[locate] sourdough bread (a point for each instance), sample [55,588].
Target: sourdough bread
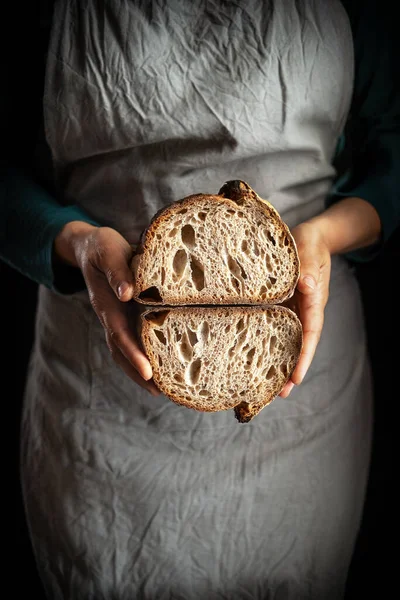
[215,268]
[219,358]
[231,248]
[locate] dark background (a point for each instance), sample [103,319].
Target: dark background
[374,568]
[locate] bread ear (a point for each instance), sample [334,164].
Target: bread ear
[235,190]
[244,413]
[241,193]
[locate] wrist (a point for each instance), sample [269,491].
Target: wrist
[350,224]
[66,241]
[325,231]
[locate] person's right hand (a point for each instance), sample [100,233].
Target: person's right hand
[104,256]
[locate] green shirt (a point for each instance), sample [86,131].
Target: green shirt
[367,158]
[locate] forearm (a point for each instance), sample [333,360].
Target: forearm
[30,220]
[350,224]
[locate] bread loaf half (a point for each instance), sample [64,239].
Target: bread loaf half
[219,358]
[231,248]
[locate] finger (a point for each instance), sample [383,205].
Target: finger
[309,277]
[129,370]
[113,317]
[113,256]
[312,316]
[287,389]
[121,337]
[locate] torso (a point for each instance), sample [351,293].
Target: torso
[147,102]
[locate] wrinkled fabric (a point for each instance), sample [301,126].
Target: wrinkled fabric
[133,497]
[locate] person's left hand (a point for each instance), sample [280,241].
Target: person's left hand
[311,295]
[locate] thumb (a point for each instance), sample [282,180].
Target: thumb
[113,257]
[309,277]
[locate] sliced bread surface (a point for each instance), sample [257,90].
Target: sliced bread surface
[220,358]
[231,248]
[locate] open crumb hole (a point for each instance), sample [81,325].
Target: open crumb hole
[186,349]
[197,273]
[179,263]
[157,318]
[240,325]
[284,369]
[272,343]
[204,330]
[151,294]
[159,334]
[194,371]
[188,236]
[192,337]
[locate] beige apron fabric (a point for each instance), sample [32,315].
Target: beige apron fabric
[130,496]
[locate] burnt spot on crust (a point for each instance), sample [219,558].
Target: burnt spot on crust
[242,412]
[235,190]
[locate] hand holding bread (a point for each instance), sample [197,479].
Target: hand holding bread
[221,273]
[103,257]
[311,294]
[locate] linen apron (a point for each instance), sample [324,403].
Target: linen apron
[133,497]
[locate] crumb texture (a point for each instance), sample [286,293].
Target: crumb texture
[211,250]
[217,358]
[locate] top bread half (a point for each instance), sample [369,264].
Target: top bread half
[231,248]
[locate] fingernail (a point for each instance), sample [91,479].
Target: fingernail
[288,389]
[309,281]
[290,386]
[147,374]
[122,288]
[300,376]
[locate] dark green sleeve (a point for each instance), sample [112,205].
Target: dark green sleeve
[368,156]
[30,219]
[30,215]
